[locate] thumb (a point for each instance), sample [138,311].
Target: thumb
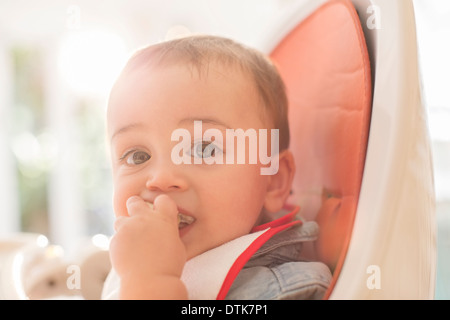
[164,205]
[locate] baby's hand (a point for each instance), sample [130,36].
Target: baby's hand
[147,243]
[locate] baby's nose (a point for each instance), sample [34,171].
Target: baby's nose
[165,178]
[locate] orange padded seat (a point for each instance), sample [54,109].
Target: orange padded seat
[325,65]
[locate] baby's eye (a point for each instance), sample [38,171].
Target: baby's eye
[204,149]
[136,157]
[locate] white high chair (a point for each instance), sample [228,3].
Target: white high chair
[360,138]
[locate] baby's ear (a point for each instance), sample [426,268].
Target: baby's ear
[280,183]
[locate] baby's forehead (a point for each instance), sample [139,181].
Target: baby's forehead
[206,69]
[213,72]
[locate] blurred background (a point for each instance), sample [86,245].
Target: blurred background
[58,60]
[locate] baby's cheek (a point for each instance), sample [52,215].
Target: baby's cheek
[120,207]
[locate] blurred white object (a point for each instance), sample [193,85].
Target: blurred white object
[30,268]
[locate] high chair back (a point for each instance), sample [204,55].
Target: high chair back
[359,154]
[325,65]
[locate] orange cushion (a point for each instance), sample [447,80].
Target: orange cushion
[325,65]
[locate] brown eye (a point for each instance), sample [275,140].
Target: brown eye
[137,157]
[204,149]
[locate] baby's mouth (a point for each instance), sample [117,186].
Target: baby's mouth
[183,220]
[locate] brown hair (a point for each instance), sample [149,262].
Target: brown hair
[198,51]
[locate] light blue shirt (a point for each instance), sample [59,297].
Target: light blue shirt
[277,270]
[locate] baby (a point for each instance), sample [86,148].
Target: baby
[189,191]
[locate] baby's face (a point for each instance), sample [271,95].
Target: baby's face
[224,201]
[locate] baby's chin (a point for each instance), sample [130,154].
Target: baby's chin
[194,250]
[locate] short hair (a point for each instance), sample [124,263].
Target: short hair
[199,50]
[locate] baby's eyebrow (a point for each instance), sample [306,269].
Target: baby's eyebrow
[126,128]
[205,120]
